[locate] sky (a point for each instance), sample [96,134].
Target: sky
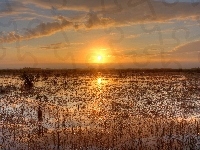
[106,33]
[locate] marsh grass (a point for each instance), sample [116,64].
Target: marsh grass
[124,111]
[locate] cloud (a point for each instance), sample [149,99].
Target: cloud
[49,28]
[9,37]
[54,46]
[121,11]
[59,45]
[11,7]
[43,29]
[94,20]
[117,13]
[188,48]
[126,10]
[80,5]
[154,12]
[133,36]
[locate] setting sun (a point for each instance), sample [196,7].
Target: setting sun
[99,58]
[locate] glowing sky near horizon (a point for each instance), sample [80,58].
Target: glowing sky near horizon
[135,33]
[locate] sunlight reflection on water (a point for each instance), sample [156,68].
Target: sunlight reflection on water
[99,81]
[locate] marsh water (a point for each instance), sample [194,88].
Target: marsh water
[117,109]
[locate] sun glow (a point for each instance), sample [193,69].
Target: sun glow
[98,56]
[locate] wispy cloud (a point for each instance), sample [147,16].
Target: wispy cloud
[190,47]
[59,45]
[132,36]
[127,10]
[12,7]
[123,11]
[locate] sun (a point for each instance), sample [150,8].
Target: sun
[99,58]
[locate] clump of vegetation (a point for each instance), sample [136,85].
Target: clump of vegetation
[2,90]
[28,81]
